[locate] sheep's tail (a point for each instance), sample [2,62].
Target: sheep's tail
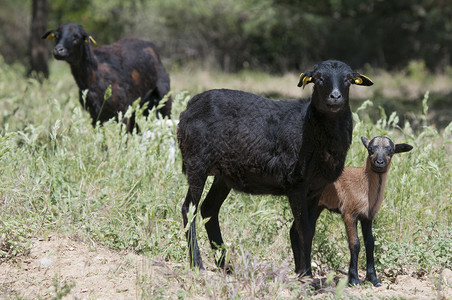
[180,141]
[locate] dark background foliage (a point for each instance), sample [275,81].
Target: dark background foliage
[269,35]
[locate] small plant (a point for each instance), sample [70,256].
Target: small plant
[61,290]
[329,247]
[14,238]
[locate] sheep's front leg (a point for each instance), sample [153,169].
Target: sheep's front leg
[366,226]
[296,248]
[354,246]
[302,232]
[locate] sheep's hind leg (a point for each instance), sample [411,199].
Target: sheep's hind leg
[193,196]
[366,226]
[209,209]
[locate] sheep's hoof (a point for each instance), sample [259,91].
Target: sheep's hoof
[198,264]
[225,267]
[353,282]
[228,268]
[310,281]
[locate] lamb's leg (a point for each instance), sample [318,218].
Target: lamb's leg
[209,209]
[366,226]
[193,196]
[354,246]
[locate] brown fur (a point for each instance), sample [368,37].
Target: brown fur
[357,195]
[358,192]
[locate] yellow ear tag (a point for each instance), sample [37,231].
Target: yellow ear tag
[50,36]
[299,77]
[90,39]
[358,80]
[306,80]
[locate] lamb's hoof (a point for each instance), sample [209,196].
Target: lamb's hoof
[376,283]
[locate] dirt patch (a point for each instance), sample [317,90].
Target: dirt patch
[88,272]
[82,271]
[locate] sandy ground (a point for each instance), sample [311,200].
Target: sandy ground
[100,273]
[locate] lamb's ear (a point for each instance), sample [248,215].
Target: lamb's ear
[365,141]
[49,35]
[361,79]
[304,79]
[402,148]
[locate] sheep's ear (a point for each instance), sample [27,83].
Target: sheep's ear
[365,141]
[304,79]
[90,39]
[402,148]
[49,35]
[361,79]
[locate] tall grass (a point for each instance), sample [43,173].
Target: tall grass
[59,175]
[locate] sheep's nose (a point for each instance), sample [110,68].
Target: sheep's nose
[59,50]
[335,95]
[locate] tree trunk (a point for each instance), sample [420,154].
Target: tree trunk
[39,53]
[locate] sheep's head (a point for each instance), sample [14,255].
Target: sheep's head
[71,40]
[332,80]
[381,149]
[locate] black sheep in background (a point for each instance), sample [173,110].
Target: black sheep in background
[131,67]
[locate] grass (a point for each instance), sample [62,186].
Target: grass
[58,175]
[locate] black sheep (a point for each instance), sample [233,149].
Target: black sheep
[131,67]
[259,146]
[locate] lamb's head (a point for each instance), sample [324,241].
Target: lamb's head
[332,80]
[381,149]
[71,41]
